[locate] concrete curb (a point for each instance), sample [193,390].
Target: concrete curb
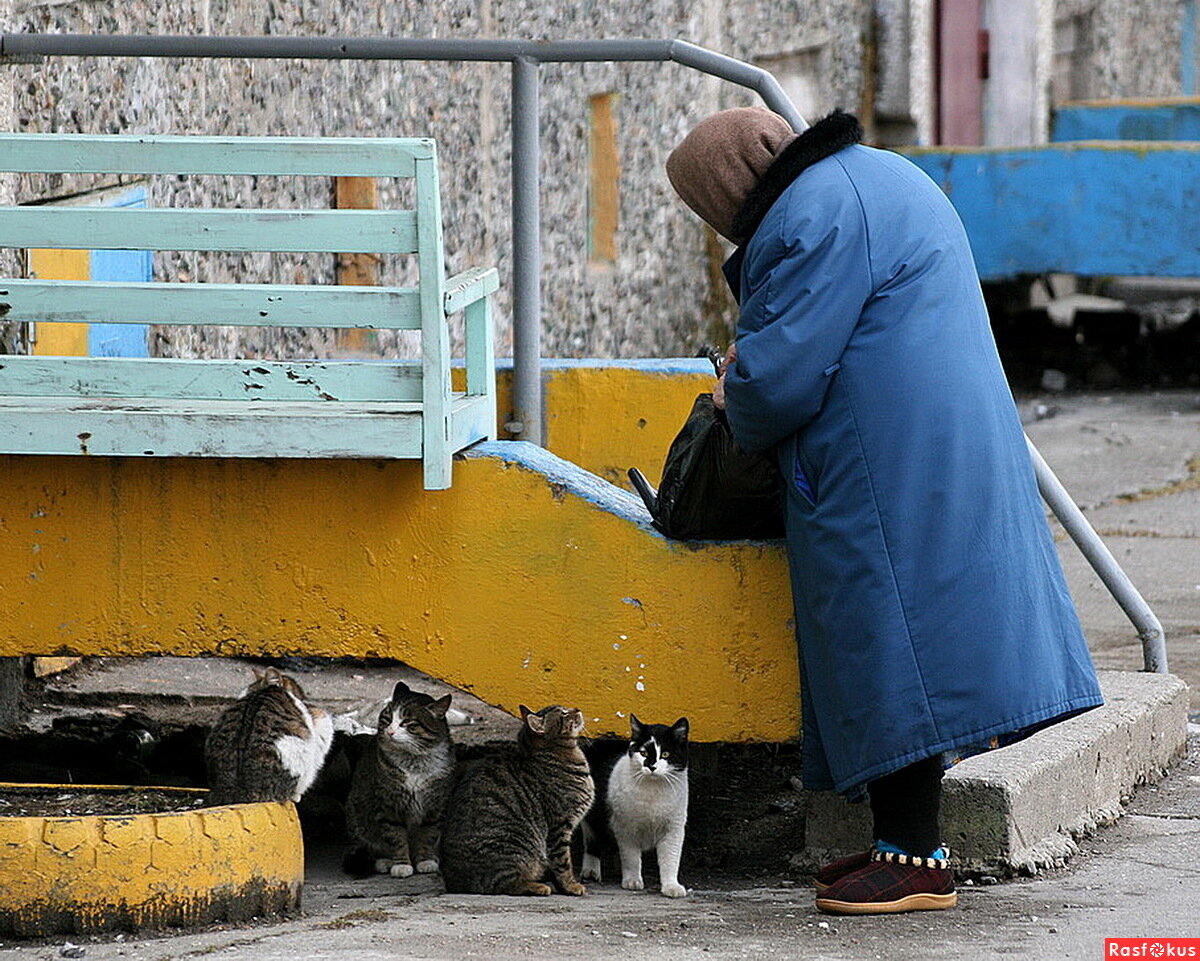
[1023,808]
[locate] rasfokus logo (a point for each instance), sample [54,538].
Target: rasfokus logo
[1152,948]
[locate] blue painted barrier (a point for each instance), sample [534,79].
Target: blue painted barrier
[1082,208]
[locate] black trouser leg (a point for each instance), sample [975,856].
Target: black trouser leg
[906,805]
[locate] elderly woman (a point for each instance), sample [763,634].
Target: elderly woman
[932,616]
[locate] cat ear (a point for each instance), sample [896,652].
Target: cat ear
[680,728]
[272,676]
[534,722]
[635,726]
[439,707]
[400,690]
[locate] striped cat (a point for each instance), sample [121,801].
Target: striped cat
[398,792]
[511,814]
[268,745]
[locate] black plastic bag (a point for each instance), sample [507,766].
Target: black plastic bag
[711,488]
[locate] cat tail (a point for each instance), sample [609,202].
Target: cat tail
[359,862]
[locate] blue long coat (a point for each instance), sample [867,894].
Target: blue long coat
[931,610]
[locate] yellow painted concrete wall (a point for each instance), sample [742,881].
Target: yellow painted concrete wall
[524,583]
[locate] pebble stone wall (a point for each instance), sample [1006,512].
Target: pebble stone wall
[663,295]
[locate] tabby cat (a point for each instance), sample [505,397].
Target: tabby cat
[268,745]
[641,803]
[511,814]
[398,792]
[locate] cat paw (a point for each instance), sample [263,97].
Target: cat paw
[428,866]
[401,870]
[591,868]
[674,890]
[633,884]
[383,866]
[574,888]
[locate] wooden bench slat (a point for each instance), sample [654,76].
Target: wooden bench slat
[469,286]
[158,228]
[259,381]
[247,305]
[243,156]
[435,333]
[473,419]
[209,428]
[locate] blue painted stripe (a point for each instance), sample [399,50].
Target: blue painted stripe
[576,481]
[572,478]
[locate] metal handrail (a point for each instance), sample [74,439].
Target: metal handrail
[1150,632]
[525,56]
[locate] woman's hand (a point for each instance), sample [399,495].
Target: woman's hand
[719,389]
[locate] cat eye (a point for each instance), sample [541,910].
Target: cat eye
[666,754]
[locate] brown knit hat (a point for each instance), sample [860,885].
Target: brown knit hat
[715,167]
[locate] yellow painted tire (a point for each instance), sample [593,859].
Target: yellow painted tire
[79,875]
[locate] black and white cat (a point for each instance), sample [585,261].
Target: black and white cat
[641,803]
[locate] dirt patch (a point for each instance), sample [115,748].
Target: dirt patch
[81,802]
[354,918]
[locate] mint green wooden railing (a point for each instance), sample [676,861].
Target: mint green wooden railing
[241,408]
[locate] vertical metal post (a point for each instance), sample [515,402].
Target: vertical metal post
[527,254]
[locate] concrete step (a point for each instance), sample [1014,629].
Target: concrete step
[1023,808]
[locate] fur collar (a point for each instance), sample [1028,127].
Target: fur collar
[825,137]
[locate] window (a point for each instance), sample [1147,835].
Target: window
[603,173]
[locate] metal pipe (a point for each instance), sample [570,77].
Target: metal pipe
[332,48]
[1154,642]
[744,74]
[527,254]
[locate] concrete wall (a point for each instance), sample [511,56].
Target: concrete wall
[1132,49]
[529,581]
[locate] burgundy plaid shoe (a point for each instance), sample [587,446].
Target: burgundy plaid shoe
[892,883]
[836,870]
